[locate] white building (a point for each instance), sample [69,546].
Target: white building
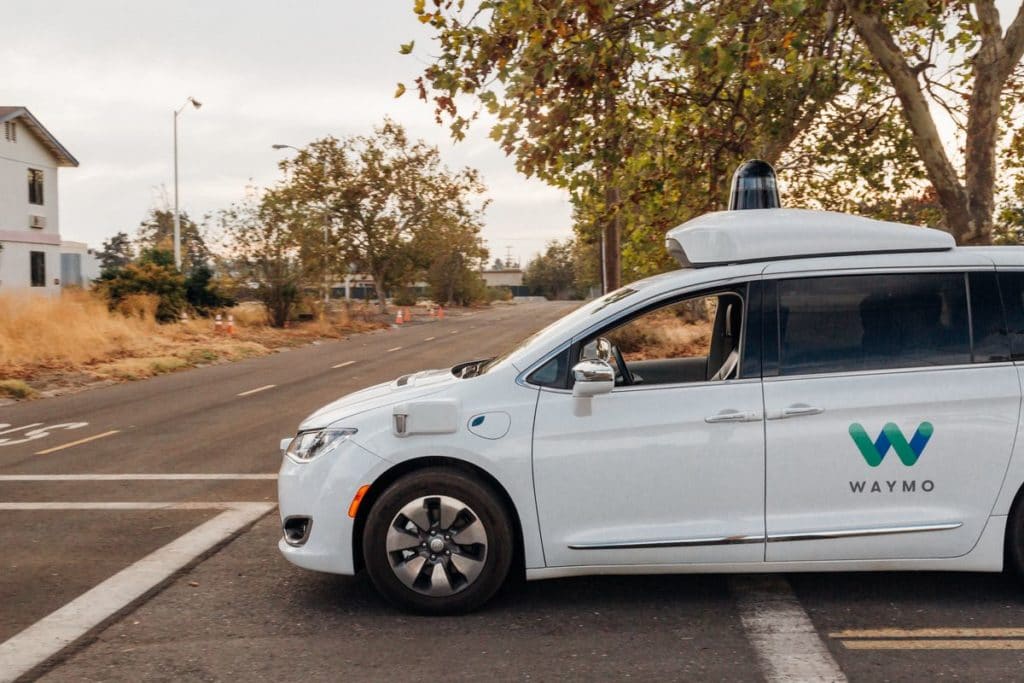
[29,232]
[79,265]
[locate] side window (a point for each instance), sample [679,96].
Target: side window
[553,373]
[693,340]
[988,329]
[1011,284]
[872,322]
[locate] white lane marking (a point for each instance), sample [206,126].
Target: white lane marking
[787,645]
[51,634]
[47,451]
[397,348]
[110,505]
[257,390]
[454,332]
[430,339]
[4,425]
[39,433]
[343,365]
[134,477]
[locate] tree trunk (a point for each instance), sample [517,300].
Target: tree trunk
[612,266]
[968,206]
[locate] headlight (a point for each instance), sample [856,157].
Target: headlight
[308,445]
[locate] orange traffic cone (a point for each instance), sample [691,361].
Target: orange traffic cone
[217,324]
[231,324]
[440,312]
[399,319]
[408,315]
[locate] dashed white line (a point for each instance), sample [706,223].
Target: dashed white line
[135,477]
[454,332]
[47,451]
[257,390]
[787,645]
[430,339]
[343,365]
[51,634]
[397,348]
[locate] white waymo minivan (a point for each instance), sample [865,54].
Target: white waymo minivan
[811,392]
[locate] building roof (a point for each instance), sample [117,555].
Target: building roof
[769,234]
[63,156]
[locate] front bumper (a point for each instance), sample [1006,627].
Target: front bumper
[322,490]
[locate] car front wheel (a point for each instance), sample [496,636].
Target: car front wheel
[438,541]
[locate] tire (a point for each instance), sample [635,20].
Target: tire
[438,541]
[1015,538]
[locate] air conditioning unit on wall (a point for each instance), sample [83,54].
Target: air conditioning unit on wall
[37,222]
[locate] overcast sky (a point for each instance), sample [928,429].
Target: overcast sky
[104,76]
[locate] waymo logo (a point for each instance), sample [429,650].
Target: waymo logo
[891,437]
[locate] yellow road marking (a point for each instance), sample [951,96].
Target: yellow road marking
[76,443]
[933,644]
[930,633]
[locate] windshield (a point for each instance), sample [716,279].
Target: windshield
[555,332]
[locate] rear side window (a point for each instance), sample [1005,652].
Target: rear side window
[872,322]
[1011,285]
[991,343]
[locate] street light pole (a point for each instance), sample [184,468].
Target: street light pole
[327,287]
[177,216]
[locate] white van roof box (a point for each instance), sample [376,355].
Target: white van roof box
[766,234]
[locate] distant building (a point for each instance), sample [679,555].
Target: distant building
[30,246]
[506,277]
[79,265]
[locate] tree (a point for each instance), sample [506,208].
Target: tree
[380,195]
[980,65]
[153,273]
[262,248]
[156,231]
[553,273]
[203,292]
[641,109]
[117,252]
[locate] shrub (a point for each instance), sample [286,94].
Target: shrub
[203,292]
[406,297]
[154,273]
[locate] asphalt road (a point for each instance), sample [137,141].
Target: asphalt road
[236,610]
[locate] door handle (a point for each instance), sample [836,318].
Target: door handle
[733,416]
[799,410]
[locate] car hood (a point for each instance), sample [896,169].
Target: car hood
[416,385]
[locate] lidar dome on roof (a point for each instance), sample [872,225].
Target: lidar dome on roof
[766,234]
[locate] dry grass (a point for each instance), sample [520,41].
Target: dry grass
[663,334]
[15,388]
[46,340]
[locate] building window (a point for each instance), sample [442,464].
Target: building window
[37,260]
[11,131]
[35,186]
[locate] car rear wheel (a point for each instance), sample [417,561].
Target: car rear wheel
[1015,538]
[438,541]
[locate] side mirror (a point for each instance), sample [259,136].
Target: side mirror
[592,377]
[598,349]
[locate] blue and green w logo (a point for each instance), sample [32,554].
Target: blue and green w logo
[891,436]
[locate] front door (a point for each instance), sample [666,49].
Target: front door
[668,467]
[888,431]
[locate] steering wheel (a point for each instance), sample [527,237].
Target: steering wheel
[627,376]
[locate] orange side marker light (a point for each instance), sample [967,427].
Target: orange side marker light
[357,499]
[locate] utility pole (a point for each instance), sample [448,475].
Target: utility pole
[177,216]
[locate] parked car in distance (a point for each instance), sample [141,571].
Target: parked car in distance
[811,391]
